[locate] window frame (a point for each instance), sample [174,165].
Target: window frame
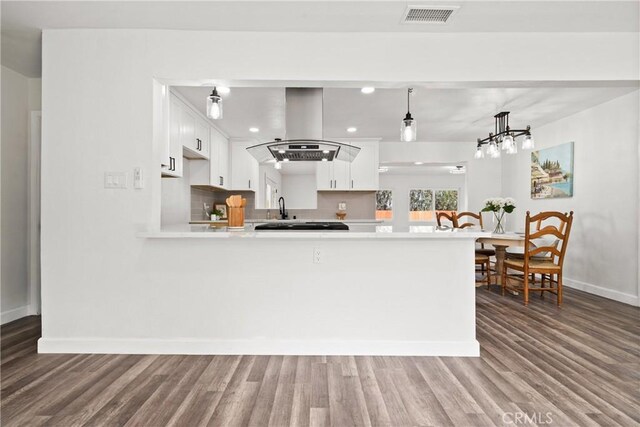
[433,190]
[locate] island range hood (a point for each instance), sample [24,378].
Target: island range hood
[304,139]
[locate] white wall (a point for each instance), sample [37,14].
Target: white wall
[602,256]
[19,95]
[90,253]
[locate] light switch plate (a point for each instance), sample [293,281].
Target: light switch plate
[116,180]
[138,182]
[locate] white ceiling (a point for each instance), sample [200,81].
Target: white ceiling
[22,21]
[455,115]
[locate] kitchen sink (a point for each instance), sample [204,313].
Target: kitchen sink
[302,226]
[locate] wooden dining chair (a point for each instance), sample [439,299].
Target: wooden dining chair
[550,264]
[472,219]
[445,215]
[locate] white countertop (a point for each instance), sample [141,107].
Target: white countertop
[362,232]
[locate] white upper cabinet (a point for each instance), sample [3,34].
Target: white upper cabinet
[333,175]
[364,168]
[244,167]
[214,172]
[161,123]
[202,141]
[194,133]
[174,168]
[359,175]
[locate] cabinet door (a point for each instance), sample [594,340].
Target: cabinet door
[219,159]
[188,132]
[324,176]
[364,168]
[341,175]
[161,122]
[175,146]
[244,167]
[202,138]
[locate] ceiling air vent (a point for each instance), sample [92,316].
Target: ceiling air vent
[428,14]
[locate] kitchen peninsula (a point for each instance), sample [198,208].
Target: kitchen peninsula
[358,292]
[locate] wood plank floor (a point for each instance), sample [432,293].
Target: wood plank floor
[575,366]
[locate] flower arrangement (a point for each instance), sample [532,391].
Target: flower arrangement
[499,206]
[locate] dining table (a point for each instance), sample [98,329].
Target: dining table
[500,242]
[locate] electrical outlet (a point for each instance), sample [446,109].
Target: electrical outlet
[317,255]
[342,206]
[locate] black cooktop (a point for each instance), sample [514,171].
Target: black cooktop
[298,226]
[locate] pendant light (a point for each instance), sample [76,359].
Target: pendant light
[528,143]
[408,127]
[504,138]
[214,105]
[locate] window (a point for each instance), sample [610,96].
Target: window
[384,205]
[447,200]
[421,205]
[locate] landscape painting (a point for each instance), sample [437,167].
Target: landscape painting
[552,172]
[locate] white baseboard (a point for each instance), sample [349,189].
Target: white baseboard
[14,314]
[603,292]
[259,347]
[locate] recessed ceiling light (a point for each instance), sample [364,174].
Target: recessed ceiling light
[223,90]
[254,130]
[418,163]
[352,129]
[368,89]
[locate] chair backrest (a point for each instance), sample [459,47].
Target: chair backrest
[442,215]
[475,219]
[555,224]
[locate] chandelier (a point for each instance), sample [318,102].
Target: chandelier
[503,138]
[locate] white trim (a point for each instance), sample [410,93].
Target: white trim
[603,292]
[258,347]
[14,314]
[33,210]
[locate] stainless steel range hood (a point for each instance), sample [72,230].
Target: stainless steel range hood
[304,140]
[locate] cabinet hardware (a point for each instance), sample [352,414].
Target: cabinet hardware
[249,183]
[351,183]
[171,163]
[221,181]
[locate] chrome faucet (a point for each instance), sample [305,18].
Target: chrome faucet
[283,211]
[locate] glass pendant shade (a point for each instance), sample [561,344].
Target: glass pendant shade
[507,143]
[493,150]
[528,143]
[408,129]
[214,105]
[479,153]
[513,148]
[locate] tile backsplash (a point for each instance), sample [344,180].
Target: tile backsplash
[360,204]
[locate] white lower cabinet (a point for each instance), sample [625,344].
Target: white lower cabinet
[245,174]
